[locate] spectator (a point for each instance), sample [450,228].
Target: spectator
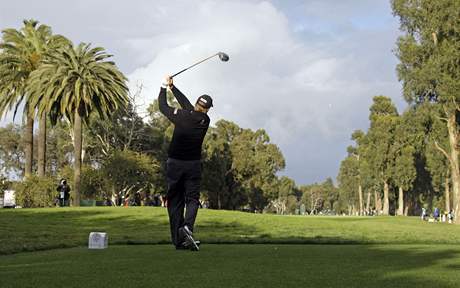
[424,214]
[450,216]
[436,214]
[64,193]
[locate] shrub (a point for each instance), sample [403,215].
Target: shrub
[127,170]
[36,192]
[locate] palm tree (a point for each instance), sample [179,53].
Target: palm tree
[72,83]
[21,53]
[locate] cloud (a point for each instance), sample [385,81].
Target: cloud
[272,79]
[307,89]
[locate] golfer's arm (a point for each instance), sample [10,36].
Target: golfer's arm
[165,109]
[183,101]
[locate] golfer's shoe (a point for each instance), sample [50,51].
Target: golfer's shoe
[189,241]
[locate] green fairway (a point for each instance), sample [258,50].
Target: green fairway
[41,229]
[393,251]
[237,266]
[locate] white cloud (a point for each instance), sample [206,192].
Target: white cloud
[272,79]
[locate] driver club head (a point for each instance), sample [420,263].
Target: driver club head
[224,57]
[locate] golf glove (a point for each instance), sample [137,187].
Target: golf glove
[166,82]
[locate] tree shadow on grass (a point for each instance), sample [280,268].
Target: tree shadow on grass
[238,266]
[216,232]
[408,266]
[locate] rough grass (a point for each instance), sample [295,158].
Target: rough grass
[240,265]
[41,229]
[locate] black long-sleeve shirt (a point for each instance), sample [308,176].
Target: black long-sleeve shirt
[190,126]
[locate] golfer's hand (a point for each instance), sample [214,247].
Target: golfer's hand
[167,81]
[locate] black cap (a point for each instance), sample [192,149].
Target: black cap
[205,101]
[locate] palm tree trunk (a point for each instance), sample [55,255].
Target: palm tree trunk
[401,202]
[77,154]
[386,201]
[453,141]
[42,146]
[29,143]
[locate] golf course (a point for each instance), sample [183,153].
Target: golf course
[48,248]
[230,143]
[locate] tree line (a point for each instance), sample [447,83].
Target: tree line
[125,155]
[409,161]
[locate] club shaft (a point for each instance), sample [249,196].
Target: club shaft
[194,65]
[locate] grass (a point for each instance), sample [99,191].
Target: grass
[397,251]
[241,265]
[41,229]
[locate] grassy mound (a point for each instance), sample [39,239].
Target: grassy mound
[41,229]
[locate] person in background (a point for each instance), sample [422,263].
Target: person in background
[424,214]
[436,214]
[64,193]
[450,216]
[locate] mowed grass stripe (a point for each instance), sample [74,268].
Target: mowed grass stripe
[239,265]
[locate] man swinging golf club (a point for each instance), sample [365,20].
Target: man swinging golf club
[183,172]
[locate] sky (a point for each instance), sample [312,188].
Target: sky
[305,71]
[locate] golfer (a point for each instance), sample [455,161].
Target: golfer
[183,172]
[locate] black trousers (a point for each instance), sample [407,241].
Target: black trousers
[184,179]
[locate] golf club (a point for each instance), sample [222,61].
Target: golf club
[223,57]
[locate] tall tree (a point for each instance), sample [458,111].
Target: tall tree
[73,82]
[429,70]
[22,52]
[240,167]
[219,176]
[331,192]
[403,151]
[437,163]
[359,152]
[349,181]
[285,189]
[383,117]
[256,162]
